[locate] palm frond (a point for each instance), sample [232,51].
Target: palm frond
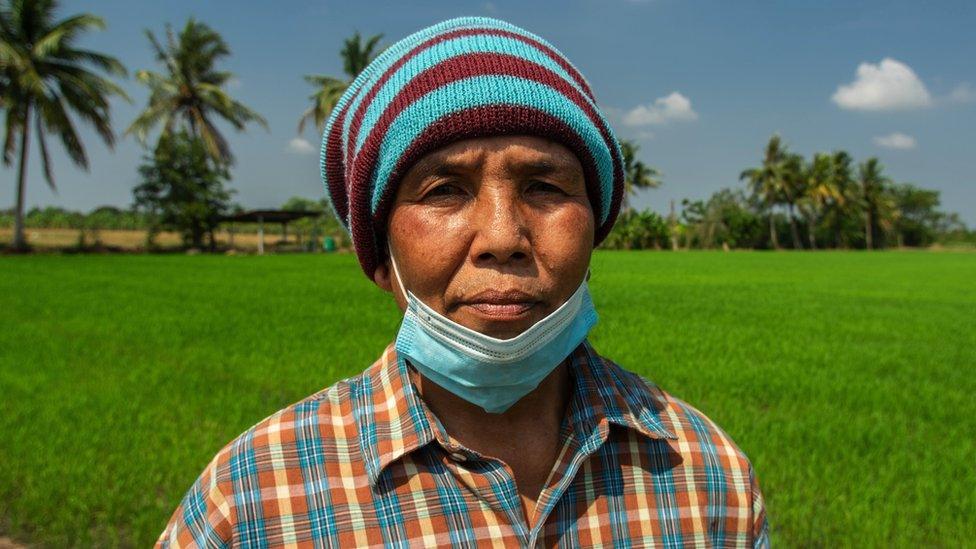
[13,124]
[57,120]
[45,158]
[104,62]
[64,33]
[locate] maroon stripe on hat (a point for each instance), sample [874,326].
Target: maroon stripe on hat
[465,66]
[374,89]
[335,166]
[480,121]
[470,65]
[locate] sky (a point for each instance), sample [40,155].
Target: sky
[700,86]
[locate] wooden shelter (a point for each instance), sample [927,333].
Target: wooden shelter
[272,216]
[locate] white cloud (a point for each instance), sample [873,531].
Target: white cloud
[895,140]
[673,107]
[300,145]
[889,85]
[963,93]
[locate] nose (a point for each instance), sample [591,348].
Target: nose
[501,230]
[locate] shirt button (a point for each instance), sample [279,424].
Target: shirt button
[458,456]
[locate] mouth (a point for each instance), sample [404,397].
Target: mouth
[500,305]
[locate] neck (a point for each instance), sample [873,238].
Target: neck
[535,417]
[525,438]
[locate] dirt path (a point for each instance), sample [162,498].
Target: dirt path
[7,543]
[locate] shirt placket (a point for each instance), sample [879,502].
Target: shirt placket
[579,446]
[497,484]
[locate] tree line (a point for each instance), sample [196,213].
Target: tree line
[49,85]
[826,201]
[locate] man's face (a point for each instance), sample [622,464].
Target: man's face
[494,233]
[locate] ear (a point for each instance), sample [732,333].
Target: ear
[383,276]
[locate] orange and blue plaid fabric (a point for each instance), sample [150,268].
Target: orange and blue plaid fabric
[364,463]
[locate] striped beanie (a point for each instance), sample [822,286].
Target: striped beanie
[461,78]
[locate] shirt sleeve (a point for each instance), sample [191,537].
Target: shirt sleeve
[203,518]
[760,528]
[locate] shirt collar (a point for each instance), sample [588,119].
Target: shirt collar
[393,420]
[603,391]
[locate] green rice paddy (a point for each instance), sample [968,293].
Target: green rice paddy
[848,378]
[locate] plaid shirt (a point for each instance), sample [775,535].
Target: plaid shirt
[366,463]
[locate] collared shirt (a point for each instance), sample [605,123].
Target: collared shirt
[366,463]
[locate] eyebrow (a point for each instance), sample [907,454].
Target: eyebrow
[537,167]
[430,168]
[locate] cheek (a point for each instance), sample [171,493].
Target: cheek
[432,247]
[564,238]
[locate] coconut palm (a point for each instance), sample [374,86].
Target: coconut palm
[637,175]
[792,185]
[190,93]
[845,202]
[820,190]
[766,181]
[875,199]
[45,78]
[328,89]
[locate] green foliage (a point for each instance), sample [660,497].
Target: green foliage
[311,230]
[328,89]
[726,219]
[638,231]
[637,174]
[182,189]
[189,94]
[122,376]
[919,220]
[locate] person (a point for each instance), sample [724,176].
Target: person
[476,174]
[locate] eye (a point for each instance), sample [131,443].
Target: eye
[444,190]
[544,187]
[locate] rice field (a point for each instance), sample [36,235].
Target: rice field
[847,377]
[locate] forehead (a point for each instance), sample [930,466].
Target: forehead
[514,152]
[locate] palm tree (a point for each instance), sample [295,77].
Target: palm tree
[766,181]
[44,76]
[637,175]
[845,200]
[792,184]
[328,89]
[819,191]
[875,198]
[190,93]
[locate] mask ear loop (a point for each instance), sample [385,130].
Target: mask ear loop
[396,272]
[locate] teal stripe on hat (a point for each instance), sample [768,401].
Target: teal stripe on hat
[488,90]
[376,68]
[384,62]
[379,66]
[481,43]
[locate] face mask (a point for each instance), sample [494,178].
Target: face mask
[491,373]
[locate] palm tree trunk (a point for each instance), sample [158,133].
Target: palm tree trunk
[772,232]
[793,230]
[810,232]
[868,237]
[20,243]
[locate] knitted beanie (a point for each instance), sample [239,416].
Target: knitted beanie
[461,78]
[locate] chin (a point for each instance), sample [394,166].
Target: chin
[498,328]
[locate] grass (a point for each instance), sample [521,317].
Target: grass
[848,378]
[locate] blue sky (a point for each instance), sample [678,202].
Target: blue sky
[700,85]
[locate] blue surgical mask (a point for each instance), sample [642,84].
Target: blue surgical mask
[491,373]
